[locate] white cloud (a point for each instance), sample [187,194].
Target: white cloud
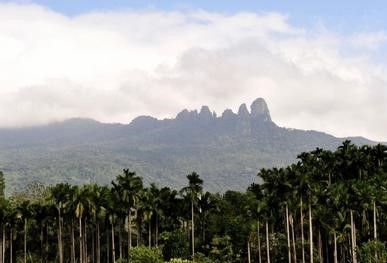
[369,40]
[113,66]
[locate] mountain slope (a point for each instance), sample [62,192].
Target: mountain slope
[227,151]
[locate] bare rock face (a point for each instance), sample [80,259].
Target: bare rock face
[259,110]
[228,115]
[186,115]
[205,114]
[243,124]
[243,112]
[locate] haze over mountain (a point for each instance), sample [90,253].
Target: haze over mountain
[227,150]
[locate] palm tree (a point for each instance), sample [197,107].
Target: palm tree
[69,211]
[130,187]
[113,209]
[11,219]
[98,203]
[3,220]
[147,207]
[59,194]
[23,214]
[206,203]
[193,191]
[82,206]
[42,214]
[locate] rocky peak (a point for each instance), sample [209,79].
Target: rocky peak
[187,115]
[259,110]
[228,114]
[205,113]
[243,112]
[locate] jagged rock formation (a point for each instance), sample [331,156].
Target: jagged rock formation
[260,111]
[227,150]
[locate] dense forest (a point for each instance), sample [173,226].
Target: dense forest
[329,206]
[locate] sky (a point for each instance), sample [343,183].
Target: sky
[320,65]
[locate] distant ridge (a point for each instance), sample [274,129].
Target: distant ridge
[227,150]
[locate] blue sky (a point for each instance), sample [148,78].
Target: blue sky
[343,15]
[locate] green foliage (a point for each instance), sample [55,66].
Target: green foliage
[340,192]
[175,244]
[279,247]
[201,258]
[221,250]
[198,258]
[373,252]
[179,260]
[142,254]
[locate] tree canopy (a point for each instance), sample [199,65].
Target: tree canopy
[329,206]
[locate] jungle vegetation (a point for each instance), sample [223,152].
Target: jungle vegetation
[329,206]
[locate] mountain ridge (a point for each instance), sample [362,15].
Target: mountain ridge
[227,150]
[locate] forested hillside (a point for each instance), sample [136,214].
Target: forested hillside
[226,150]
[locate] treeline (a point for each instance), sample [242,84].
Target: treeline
[329,206]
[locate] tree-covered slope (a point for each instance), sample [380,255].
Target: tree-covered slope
[227,150]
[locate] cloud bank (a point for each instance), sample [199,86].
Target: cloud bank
[114,66]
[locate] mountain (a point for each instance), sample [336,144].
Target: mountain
[227,151]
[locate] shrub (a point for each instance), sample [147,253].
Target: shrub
[373,252]
[201,258]
[142,254]
[174,245]
[221,249]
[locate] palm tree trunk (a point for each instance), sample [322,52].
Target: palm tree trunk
[375,228]
[93,246]
[25,240]
[150,234]
[41,243]
[113,245]
[60,247]
[353,238]
[310,234]
[72,241]
[288,233]
[157,231]
[46,245]
[120,238]
[3,247]
[248,252]
[11,246]
[302,232]
[129,231]
[192,228]
[320,246]
[259,244]
[293,240]
[80,241]
[335,247]
[85,258]
[98,244]
[138,234]
[267,243]
[107,244]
